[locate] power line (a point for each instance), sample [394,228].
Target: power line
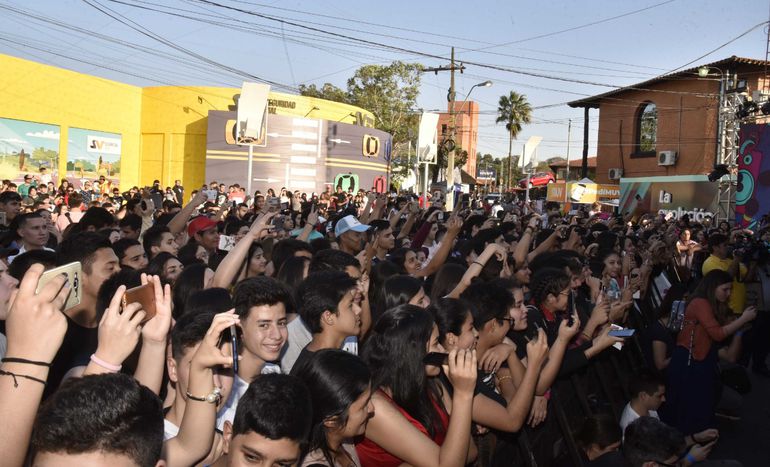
[146,32]
[575,28]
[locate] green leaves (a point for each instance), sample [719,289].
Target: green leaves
[513,110]
[388,91]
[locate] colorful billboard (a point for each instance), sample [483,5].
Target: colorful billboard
[678,195]
[752,198]
[300,154]
[26,147]
[91,154]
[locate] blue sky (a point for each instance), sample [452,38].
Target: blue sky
[553,38]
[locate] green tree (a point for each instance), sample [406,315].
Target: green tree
[513,110]
[328,91]
[390,93]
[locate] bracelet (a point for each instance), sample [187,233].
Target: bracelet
[690,458]
[479,263]
[212,398]
[105,365]
[16,382]
[22,360]
[500,379]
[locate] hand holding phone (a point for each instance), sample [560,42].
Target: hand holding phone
[435,359]
[74,272]
[622,332]
[214,351]
[144,295]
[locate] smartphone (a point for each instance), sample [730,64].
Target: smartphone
[274,204]
[231,335]
[73,271]
[436,358]
[622,332]
[212,195]
[226,242]
[144,295]
[440,216]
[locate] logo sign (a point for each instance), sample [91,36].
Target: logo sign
[348,181]
[486,174]
[103,145]
[371,146]
[664,197]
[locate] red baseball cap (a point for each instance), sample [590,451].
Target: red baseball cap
[199,224]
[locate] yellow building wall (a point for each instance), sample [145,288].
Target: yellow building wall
[46,94]
[174,125]
[163,129]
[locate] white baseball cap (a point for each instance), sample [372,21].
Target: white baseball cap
[349,223]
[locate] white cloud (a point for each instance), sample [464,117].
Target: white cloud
[45,134]
[13,140]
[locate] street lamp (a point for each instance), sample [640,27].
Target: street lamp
[450,164]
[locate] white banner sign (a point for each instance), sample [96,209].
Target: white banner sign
[427,140]
[103,145]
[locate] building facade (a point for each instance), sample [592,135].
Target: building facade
[153,132]
[466,115]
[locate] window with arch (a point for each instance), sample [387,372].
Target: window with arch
[646,129]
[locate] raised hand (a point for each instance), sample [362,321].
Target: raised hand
[157,328]
[537,349]
[200,197]
[119,330]
[209,354]
[34,326]
[567,332]
[462,370]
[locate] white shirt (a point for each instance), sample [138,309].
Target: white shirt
[629,415]
[299,337]
[23,250]
[169,430]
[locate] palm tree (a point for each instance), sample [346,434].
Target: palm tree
[513,110]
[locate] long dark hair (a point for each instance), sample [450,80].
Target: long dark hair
[707,290]
[449,314]
[336,379]
[397,290]
[189,281]
[395,352]
[548,281]
[447,278]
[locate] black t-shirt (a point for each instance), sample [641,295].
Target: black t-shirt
[656,332]
[76,349]
[303,357]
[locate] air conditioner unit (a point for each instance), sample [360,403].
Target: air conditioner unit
[667,158]
[615,174]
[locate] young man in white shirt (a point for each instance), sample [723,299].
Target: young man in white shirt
[647,395]
[261,303]
[33,232]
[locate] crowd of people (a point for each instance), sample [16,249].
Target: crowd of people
[362,329]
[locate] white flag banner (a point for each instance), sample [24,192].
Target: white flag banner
[529,150]
[427,140]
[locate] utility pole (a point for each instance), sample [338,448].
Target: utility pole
[450,147]
[569,133]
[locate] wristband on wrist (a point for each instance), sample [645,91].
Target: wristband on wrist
[690,458]
[22,360]
[212,398]
[479,263]
[105,365]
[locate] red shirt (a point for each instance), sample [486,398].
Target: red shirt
[701,327]
[372,455]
